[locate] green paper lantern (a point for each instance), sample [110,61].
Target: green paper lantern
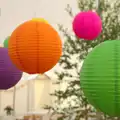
[100,77]
[6,42]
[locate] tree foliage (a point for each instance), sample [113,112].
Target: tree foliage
[71,104]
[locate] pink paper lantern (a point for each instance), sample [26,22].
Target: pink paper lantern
[87,25]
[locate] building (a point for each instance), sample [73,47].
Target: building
[28,95]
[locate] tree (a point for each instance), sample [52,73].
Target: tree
[71,101]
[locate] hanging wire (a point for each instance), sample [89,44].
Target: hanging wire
[0,12]
[34,14]
[35,8]
[97,5]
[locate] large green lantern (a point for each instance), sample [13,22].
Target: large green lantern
[6,42]
[100,77]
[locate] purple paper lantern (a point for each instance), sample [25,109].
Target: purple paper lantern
[87,25]
[9,74]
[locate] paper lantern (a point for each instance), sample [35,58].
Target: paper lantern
[40,20]
[87,25]
[6,42]
[100,77]
[35,47]
[9,74]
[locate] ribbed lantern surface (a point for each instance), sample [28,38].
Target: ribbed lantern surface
[100,77]
[6,42]
[35,47]
[87,25]
[9,74]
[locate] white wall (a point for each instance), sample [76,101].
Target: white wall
[28,101]
[42,93]
[6,98]
[21,101]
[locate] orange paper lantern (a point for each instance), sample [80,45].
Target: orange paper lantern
[35,47]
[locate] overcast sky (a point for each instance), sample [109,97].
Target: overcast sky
[14,12]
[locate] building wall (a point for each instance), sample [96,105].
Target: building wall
[30,96]
[42,93]
[21,100]
[6,99]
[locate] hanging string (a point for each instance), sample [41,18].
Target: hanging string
[0,12]
[97,5]
[34,15]
[35,9]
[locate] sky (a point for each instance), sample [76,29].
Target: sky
[14,12]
